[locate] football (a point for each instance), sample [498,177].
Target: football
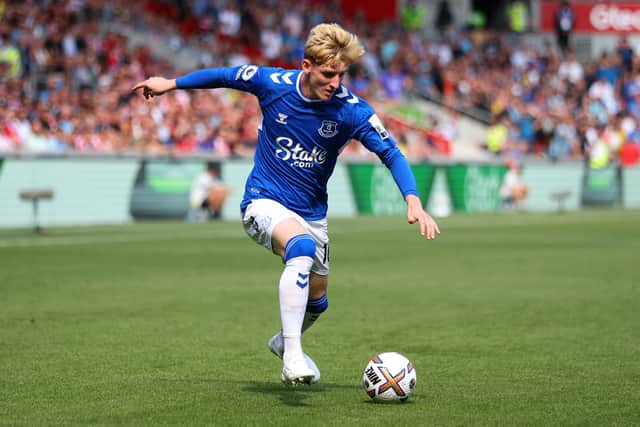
[389,377]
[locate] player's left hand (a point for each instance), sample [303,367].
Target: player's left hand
[415,213]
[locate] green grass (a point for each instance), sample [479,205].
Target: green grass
[529,319]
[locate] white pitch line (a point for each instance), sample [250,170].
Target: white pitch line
[101,239]
[101,236]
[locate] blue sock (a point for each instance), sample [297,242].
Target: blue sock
[315,308]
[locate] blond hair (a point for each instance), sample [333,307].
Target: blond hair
[330,43]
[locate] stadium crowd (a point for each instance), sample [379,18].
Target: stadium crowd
[66,80]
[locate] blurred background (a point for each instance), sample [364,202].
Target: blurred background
[507,105]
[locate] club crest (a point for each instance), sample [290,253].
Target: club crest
[328,129]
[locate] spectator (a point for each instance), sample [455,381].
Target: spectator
[393,80]
[413,15]
[604,92]
[565,20]
[10,58]
[208,193]
[518,16]
[625,53]
[444,17]
[513,191]
[564,141]
[229,19]
[497,135]
[608,69]
[599,154]
[570,69]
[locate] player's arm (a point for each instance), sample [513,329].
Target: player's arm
[245,77]
[375,138]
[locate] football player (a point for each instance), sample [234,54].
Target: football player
[308,116]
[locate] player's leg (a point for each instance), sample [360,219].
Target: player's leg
[297,249]
[318,302]
[318,280]
[286,234]
[316,305]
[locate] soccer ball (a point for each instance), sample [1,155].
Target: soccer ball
[389,377]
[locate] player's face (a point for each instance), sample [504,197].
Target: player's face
[322,80]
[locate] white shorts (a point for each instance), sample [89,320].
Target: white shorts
[262,215]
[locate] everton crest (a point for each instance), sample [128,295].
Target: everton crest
[328,129]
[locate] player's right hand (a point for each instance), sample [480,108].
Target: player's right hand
[155,86]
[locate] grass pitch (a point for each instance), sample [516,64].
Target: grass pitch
[529,319]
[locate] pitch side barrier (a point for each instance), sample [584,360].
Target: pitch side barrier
[124,187]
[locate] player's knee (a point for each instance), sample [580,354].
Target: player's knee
[300,245]
[318,305]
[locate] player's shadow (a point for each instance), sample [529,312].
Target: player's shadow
[292,395]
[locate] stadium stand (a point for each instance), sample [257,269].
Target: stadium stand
[67,67]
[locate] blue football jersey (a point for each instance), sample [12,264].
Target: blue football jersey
[299,139]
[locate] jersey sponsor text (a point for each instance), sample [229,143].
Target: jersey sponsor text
[295,152]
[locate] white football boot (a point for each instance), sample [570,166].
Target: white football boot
[296,372]
[276,345]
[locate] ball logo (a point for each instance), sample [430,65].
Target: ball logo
[372,376]
[298,155]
